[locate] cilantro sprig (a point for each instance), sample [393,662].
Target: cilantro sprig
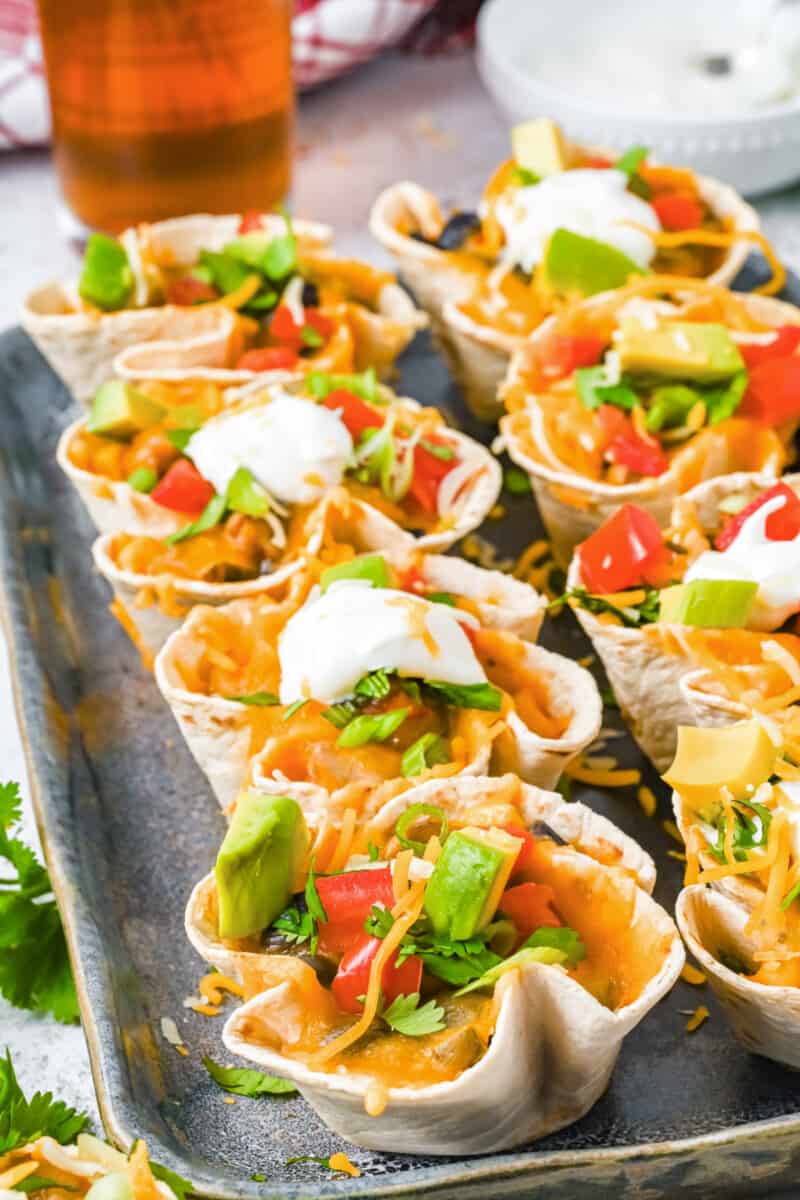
[241,1081]
[23,1120]
[34,964]
[631,616]
[406,1015]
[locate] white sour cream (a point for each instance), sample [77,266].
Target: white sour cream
[592,203]
[296,449]
[774,566]
[337,638]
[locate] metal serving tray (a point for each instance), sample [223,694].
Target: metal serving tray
[130,825]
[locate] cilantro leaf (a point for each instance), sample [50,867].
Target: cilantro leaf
[295,926]
[315,905]
[632,616]
[37,1183]
[244,1082]
[257,699]
[180,1186]
[34,964]
[405,1015]
[379,921]
[558,938]
[594,389]
[22,1121]
[468,695]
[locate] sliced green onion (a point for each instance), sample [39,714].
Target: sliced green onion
[411,816]
[340,714]
[371,567]
[180,438]
[442,598]
[257,699]
[372,728]
[425,752]
[211,515]
[293,708]
[143,479]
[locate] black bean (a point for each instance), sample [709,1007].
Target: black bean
[543,830]
[310,297]
[457,230]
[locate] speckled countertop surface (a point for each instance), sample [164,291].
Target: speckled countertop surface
[422,119]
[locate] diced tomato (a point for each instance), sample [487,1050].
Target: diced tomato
[348,899]
[357,415]
[187,290]
[183,488]
[352,978]
[780,526]
[429,471]
[324,326]
[773,391]
[270,358]
[527,850]
[597,161]
[563,353]
[619,554]
[613,420]
[412,581]
[251,220]
[678,210]
[283,326]
[640,454]
[784,344]
[530,906]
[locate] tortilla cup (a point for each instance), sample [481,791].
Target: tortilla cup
[477,353]
[81,346]
[764,1018]
[573,506]
[220,732]
[658,672]
[553,1046]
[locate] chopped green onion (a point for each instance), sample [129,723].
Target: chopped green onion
[631,160]
[372,728]
[180,438]
[469,695]
[246,495]
[340,714]
[211,515]
[790,896]
[143,479]
[257,699]
[594,390]
[516,481]
[293,708]
[445,453]
[425,752]
[411,816]
[524,177]
[442,598]
[374,686]
[311,337]
[364,384]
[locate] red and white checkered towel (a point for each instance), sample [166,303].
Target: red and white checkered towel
[329,37]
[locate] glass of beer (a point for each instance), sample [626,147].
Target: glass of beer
[166,107]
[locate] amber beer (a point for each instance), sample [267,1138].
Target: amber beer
[166,107]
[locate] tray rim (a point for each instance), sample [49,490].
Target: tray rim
[524,1167]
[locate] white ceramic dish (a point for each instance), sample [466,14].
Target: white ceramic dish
[755,152]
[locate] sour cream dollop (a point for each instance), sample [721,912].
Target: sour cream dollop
[296,449]
[774,566]
[592,203]
[353,628]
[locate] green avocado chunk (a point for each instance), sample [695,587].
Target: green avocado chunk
[468,880]
[538,146]
[693,350]
[574,264]
[367,566]
[258,862]
[708,603]
[119,411]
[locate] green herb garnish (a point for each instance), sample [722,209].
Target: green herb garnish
[372,727]
[405,1015]
[241,1081]
[426,751]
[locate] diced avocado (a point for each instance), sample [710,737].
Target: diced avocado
[468,880]
[577,265]
[692,350]
[372,567]
[245,494]
[738,757]
[539,147]
[119,411]
[708,603]
[259,862]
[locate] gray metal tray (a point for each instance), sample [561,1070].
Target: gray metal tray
[130,824]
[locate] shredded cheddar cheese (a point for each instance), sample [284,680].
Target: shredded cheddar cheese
[647,801]
[697,1018]
[692,975]
[603,778]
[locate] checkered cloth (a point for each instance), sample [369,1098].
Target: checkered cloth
[329,38]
